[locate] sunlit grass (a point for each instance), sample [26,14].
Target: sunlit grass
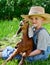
[8,28]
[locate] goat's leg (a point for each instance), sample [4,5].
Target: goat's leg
[22,59]
[11,56]
[24,55]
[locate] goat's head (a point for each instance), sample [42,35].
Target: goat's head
[23,26]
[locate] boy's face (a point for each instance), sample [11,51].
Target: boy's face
[36,20]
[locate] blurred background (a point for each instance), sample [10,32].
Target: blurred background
[14,8]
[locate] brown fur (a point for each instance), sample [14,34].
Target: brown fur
[26,44]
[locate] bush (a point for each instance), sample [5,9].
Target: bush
[14,8]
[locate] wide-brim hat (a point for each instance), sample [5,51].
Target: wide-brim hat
[37,11]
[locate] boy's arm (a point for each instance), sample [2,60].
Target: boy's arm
[35,52]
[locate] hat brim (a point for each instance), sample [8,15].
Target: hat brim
[45,16]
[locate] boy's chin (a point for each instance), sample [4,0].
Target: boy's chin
[35,25]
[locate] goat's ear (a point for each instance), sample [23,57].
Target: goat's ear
[19,31]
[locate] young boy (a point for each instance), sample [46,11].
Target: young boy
[41,38]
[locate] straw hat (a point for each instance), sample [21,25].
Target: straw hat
[37,11]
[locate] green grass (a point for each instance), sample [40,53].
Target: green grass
[40,62]
[8,29]
[47,26]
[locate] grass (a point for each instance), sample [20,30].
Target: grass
[15,62]
[8,29]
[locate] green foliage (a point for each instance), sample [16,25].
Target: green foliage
[6,9]
[14,8]
[43,3]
